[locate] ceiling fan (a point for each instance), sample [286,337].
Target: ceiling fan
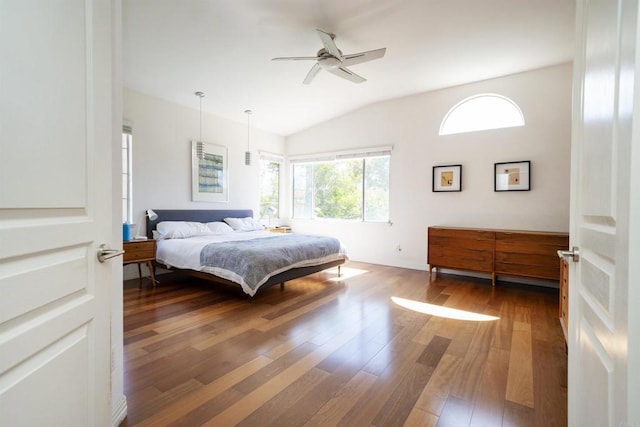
[331,59]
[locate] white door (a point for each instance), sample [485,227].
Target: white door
[600,364]
[55,210]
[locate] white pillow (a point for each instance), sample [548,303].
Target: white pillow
[244,224]
[218,227]
[181,229]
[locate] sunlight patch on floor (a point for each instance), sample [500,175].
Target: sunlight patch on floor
[345,273]
[438,310]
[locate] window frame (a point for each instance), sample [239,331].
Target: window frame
[356,154]
[272,158]
[456,109]
[127,158]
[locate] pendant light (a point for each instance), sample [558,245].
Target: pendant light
[247,154]
[200,144]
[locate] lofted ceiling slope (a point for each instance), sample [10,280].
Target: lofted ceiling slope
[172,49]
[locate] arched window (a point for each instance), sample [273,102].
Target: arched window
[482,112]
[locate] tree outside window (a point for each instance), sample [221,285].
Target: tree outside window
[351,189]
[269,189]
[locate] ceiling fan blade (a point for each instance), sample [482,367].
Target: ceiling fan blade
[346,74]
[295,58]
[329,44]
[359,58]
[312,73]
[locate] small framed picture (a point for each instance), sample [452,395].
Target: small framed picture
[447,178]
[512,176]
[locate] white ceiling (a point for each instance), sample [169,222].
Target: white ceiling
[224,48]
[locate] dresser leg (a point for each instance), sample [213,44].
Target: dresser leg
[139,275]
[493,279]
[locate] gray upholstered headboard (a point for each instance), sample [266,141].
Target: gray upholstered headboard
[196,215]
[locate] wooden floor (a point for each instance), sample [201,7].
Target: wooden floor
[327,352]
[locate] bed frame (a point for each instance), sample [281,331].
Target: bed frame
[200,215]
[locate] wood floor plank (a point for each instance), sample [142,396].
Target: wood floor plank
[435,394]
[260,377]
[550,383]
[208,409]
[325,352]
[401,402]
[456,412]
[520,376]
[489,404]
[516,415]
[283,408]
[334,410]
[262,394]
[429,330]
[420,418]
[368,406]
[467,381]
[152,406]
[343,365]
[177,409]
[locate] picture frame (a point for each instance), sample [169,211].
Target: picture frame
[447,178]
[512,176]
[209,173]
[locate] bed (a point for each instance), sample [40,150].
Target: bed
[246,256]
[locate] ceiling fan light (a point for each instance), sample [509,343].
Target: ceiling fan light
[329,63]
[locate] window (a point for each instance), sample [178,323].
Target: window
[351,186]
[127,203]
[270,187]
[482,112]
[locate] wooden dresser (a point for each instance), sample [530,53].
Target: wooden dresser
[564,298]
[530,254]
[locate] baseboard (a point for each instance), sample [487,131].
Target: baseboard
[120,412]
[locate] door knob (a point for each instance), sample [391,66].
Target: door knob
[573,254]
[105,253]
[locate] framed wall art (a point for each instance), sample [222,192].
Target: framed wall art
[512,176]
[447,178]
[209,172]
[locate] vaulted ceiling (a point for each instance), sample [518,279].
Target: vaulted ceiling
[224,48]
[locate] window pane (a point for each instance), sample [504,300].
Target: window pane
[302,190]
[482,112]
[127,207]
[269,189]
[376,189]
[348,188]
[338,189]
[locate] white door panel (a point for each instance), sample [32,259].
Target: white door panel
[604,80]
[55,210]
[47,51]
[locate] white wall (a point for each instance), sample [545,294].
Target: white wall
[411,125]
[162,135]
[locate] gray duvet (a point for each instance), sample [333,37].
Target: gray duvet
[252,262]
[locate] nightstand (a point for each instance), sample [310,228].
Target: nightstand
[140,251]
[283,230]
